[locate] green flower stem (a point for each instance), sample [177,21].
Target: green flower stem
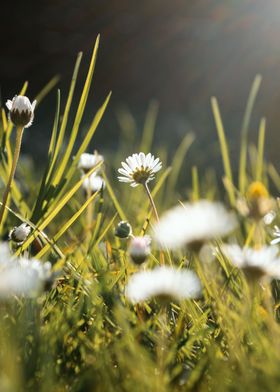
[151,200]
[13,170]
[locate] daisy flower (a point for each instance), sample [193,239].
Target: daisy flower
[163,282]
[276,234]
[93,183]
[88,161]
[192,224]
[139,169]
[256,263]
[21,276]
[21,111]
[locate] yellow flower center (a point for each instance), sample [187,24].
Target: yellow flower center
[257,191]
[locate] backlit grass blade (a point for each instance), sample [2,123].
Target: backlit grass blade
[244,132]
[107,228]
[79,115]
[260,157]
[178,160]
[149,127]
[223,146]
[45,91]
[67,110]
[66,226]
[114,199]
[56,208]
[195,184]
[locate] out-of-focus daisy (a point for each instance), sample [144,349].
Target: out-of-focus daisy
[139,169]
[21,276]
[19,233]
[276,234]
[21,111]
[139,249]
[93,183]
[192,224]
[123,230]
[163,283]
[256,263]
[269,217]
[88,161]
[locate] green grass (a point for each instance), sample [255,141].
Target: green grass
[82,334]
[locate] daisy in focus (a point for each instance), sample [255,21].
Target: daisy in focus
[139,169]
[163,283]
[21,111]
[255,263]
[193,224]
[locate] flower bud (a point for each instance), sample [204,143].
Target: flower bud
[139,249]
[19,233]
[123,230]
[21,111]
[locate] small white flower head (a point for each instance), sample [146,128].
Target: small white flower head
[94,183]
[255,263]
[21,276]
[192,224]
[139,169]
[139,249]
[21,111]
[276,234]
[88,161]
[19,233]
[269,217]
[123,230]
[163,283]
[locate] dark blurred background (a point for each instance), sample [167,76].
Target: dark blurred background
[177,52]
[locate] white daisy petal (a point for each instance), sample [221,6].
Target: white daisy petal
[140,168]
[163,282]
[194,223]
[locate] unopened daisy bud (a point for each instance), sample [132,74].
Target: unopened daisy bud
[21,111]
[123,230]
[88,161]
[259,201]
[139,249]
[19,233]
[93,183]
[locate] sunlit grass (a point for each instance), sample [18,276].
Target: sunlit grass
[81,333]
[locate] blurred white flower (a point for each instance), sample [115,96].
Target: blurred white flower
[19,233]
[163,282]
[88,161]
[276,234]
[269,217]
[21,111]
[21,276]
[193,224]
[139,169]
[139,249]
[256,263]
[94,183]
